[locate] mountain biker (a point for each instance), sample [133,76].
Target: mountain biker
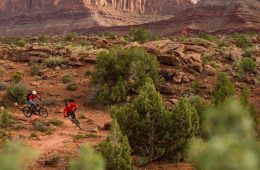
[70,109]
[30,97]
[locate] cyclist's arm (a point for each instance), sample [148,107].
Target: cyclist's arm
[65,112]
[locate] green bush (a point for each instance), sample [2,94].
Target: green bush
[249,52]
[108,35]
[247,65]
[142,35]
[20,42]
[41,126]
[223,89]
[207,36]
[56,122]
[72,87]
[71,36]
[122,71]
[16,156]
[152,130]
[15,93]
[230,143]
[88,160]
[3,86]
[52,62]
[242,41]
[6,119]
[17,77]
[67,78]
[35,70]
[116,150]
[33,135]
[196,86]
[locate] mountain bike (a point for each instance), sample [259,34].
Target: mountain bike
[72,117]
[37,109]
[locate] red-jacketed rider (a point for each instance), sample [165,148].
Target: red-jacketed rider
[70,109]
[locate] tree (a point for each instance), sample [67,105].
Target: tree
[223,89]
[122,71]
[231,144]
[152,130]
[88,160]
[116,150]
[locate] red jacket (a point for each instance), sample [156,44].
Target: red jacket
[32,97]
[69,108]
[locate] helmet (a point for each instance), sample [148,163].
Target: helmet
[34,92]
[66,103]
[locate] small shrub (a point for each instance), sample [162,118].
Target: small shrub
[72,87]
[71,36]
[87,73]
[108,35]
[15,93]
[33,135]
[56,122]
[116,150]
[3,86]
[141,161]
[41,126]
[88,160]
[207,36]
[242,41]
[86,43]
[20,42]
[79,136]
[35,70]
[206,58]
[142,35]
[15,156]
[6,120]
[223,43]
[196,86]
[52,161]
[249,52]
[17,77]
[247,65]
[67,78]
[55,61]
[19,127]
[37,78]
[223,89]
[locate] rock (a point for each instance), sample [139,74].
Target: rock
[133,45]
[167,74]
[2,108]
[75,64]
[174,101]
[195,57]
[15,104]
[196,66]
[166,89]
[185,79]
[195,48]
[209,70]
[168,48]
[57,68]
[93,128]
[89,59]
[34,83]
[178,77]
[233,54]
[102,43]
[168,60]
[154,51]
[181,48]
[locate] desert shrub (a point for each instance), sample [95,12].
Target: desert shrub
[79,136]
[6,119]
[17,77]
[33,135]
[88,159]
[247,65]
[3,86]
[71,36]
[56,122]
[52,161]
[15,93]
[19,126]
[207,36]
[52,62]
[223,89]
[206,58]
[242,41]
[223,43]
[16,156]
[152,130]
[108,35]
[87,73]
[66,78]
[196,86]
[116,150]
[72,86]
[86,43]
[41,126]
[20,42]
[120,71]
[35,70]
[230,140]
[249,52]
[142,35]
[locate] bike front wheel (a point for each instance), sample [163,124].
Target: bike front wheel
[27,111]
[76,122]
[43,112]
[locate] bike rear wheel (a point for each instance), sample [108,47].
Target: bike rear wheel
[76,122]
[27,111]
[43,112]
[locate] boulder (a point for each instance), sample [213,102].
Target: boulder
[154,51]
[133,45]
[233,54]
[169,48]
[210,71]
[181,48]
[195,48]
[178,77]
[102,43]
[168,60]
[167,74]
[194,57]
[196,66]
[166,89]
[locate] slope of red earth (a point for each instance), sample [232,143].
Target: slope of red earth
[181,62]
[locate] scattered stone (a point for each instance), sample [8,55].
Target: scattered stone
[166,89]
[195,48]
[167,74]
[34,83]
[93,128]
[168,60]
[196,66]
[174,101]
[209,70]
[233,54]
[57,68]
[178,77]
[185,79]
